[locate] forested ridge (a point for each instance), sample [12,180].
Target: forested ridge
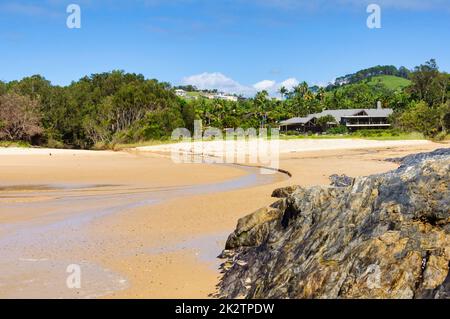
[117,107]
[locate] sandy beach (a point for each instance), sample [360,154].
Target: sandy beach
[139,225]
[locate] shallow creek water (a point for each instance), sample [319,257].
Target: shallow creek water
[48,232]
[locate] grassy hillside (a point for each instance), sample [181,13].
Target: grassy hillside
[393,83]
[193,94]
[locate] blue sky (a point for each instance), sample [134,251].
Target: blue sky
[233,45]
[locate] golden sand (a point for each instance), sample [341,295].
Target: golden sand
[161,249]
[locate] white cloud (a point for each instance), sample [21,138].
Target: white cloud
[219,81]
[327,4]
[289,83]
[29,9]
[273,87]
[267,85]
[216,80]
[404,4]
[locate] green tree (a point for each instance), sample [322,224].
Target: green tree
[262,105]
[428,84]
[326,122]
[422,118]
[19,117]
[283,91]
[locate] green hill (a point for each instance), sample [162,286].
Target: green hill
[393,83]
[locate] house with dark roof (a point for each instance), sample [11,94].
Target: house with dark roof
[353,119]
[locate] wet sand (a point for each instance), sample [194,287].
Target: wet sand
[50,203]
[137,224]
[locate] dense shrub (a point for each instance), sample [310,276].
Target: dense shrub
[431,121]
[341,129]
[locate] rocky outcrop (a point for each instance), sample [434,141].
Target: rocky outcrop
[285,192]
[384,236]
[341,180]
[417,158]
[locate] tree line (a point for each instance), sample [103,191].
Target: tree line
[117,107]
[99,109]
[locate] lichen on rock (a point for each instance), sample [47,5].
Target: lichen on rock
[383,236]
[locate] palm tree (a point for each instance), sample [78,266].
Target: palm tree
[302,89]
[302,94]
[261,100]
[283,91]
[321,94]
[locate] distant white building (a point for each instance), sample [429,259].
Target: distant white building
[226,97]
[220,96]
[181,93]
[209,96]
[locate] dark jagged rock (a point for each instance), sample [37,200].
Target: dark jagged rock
[284,192]
[417,158]
[387,236]
[341,180]
[441,292]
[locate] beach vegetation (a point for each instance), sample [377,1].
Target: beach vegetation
[117,108]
